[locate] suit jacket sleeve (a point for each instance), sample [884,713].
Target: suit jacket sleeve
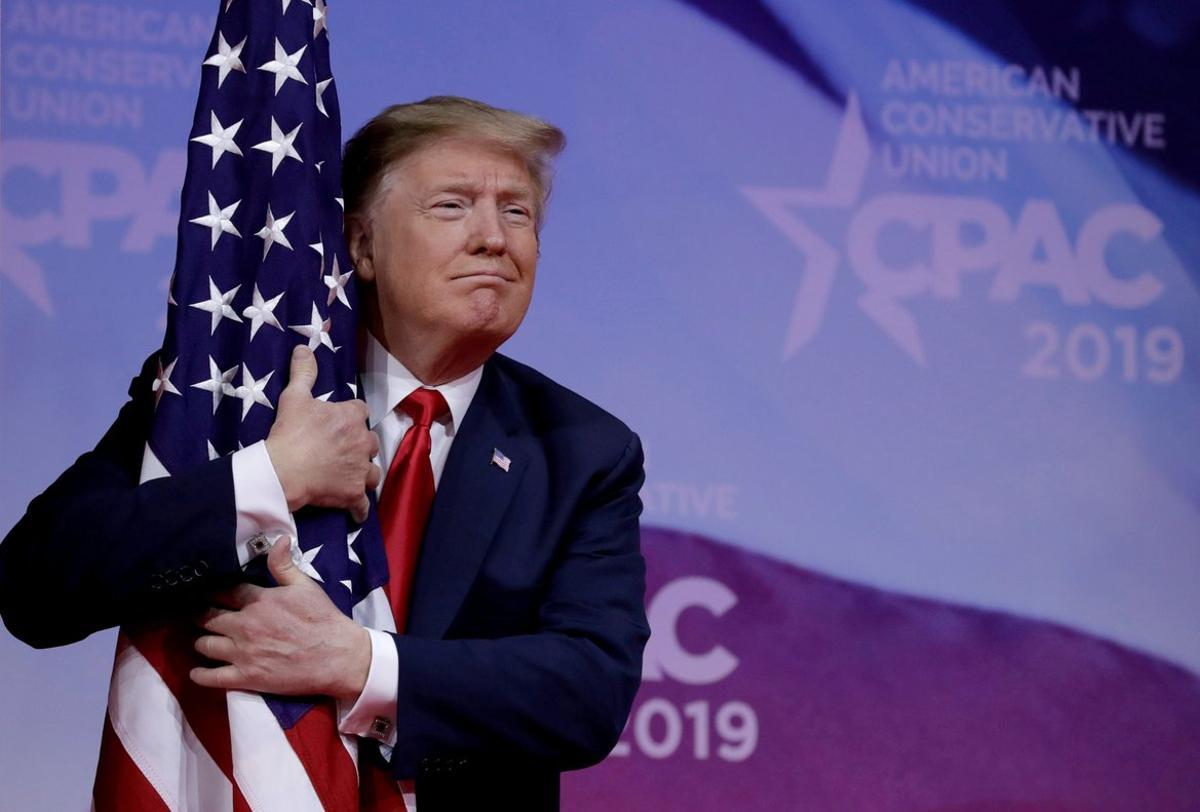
[557,696]
[97,549]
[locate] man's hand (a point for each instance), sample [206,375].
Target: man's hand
[322,451]
[288,639]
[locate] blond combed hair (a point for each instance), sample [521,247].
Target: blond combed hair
[402,129]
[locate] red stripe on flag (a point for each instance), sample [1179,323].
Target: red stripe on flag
[329,766]
[169,650]
[120,785]
[378,791]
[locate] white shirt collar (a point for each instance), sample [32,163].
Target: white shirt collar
[386,382]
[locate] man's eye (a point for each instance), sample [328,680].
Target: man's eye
[450,204]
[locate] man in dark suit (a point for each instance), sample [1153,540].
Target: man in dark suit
[525,623]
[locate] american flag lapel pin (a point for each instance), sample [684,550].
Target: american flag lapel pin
[500,461]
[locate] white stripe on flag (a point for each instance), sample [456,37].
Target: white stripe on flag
[151,727]
[264,764]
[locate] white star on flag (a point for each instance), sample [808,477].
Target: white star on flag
[321,96]
[336,282]
[319,23]
[316,331]
[218,219]
[212,451]
[353,556]
[306,565]
[262,312]
[280,146]
[218,304]
[272,232]
[251,390]
[226,59]
[220,138]
[162,382]
[284,65]
[217,382]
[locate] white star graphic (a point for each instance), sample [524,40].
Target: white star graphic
[353,556]
[280,146]
[251,391]
[272,232]
[847,171]
[218,219]
[319,22]
[306,563]
[162,382]
[319,247]
[220,138]
[218,304]
[217,382]
[226,59]
[336,282]
[212,450]
[262,312]
[316,331]
[284,65]
[321,95]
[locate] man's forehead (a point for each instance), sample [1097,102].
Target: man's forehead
[464,163]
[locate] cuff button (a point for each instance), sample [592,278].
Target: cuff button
[380,727]
[258,545]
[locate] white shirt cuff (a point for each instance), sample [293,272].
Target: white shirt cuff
[373,714]
[262,511]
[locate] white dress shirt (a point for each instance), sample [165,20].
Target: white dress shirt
[262,512]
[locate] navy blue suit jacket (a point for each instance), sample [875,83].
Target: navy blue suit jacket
[527,625]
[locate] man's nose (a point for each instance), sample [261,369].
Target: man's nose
[487,231]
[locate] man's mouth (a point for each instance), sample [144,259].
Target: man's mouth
[485,274]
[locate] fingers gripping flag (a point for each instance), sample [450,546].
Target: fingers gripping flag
[261,266]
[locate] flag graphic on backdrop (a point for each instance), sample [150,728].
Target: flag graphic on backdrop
[261,266]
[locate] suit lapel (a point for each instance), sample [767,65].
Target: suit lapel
[471,499]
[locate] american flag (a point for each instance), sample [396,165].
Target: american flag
[261,266]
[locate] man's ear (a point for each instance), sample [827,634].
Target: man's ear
[358,242]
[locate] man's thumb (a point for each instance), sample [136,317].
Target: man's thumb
[303,373]
[280,564]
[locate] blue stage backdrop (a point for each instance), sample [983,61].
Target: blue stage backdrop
[901,296]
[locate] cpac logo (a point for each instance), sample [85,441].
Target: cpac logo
[963,234]
[85,184]
[665,655]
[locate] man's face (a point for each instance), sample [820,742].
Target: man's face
[451,248]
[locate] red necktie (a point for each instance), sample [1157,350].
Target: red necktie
[407,497]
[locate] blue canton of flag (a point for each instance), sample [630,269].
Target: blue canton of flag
[262,262]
